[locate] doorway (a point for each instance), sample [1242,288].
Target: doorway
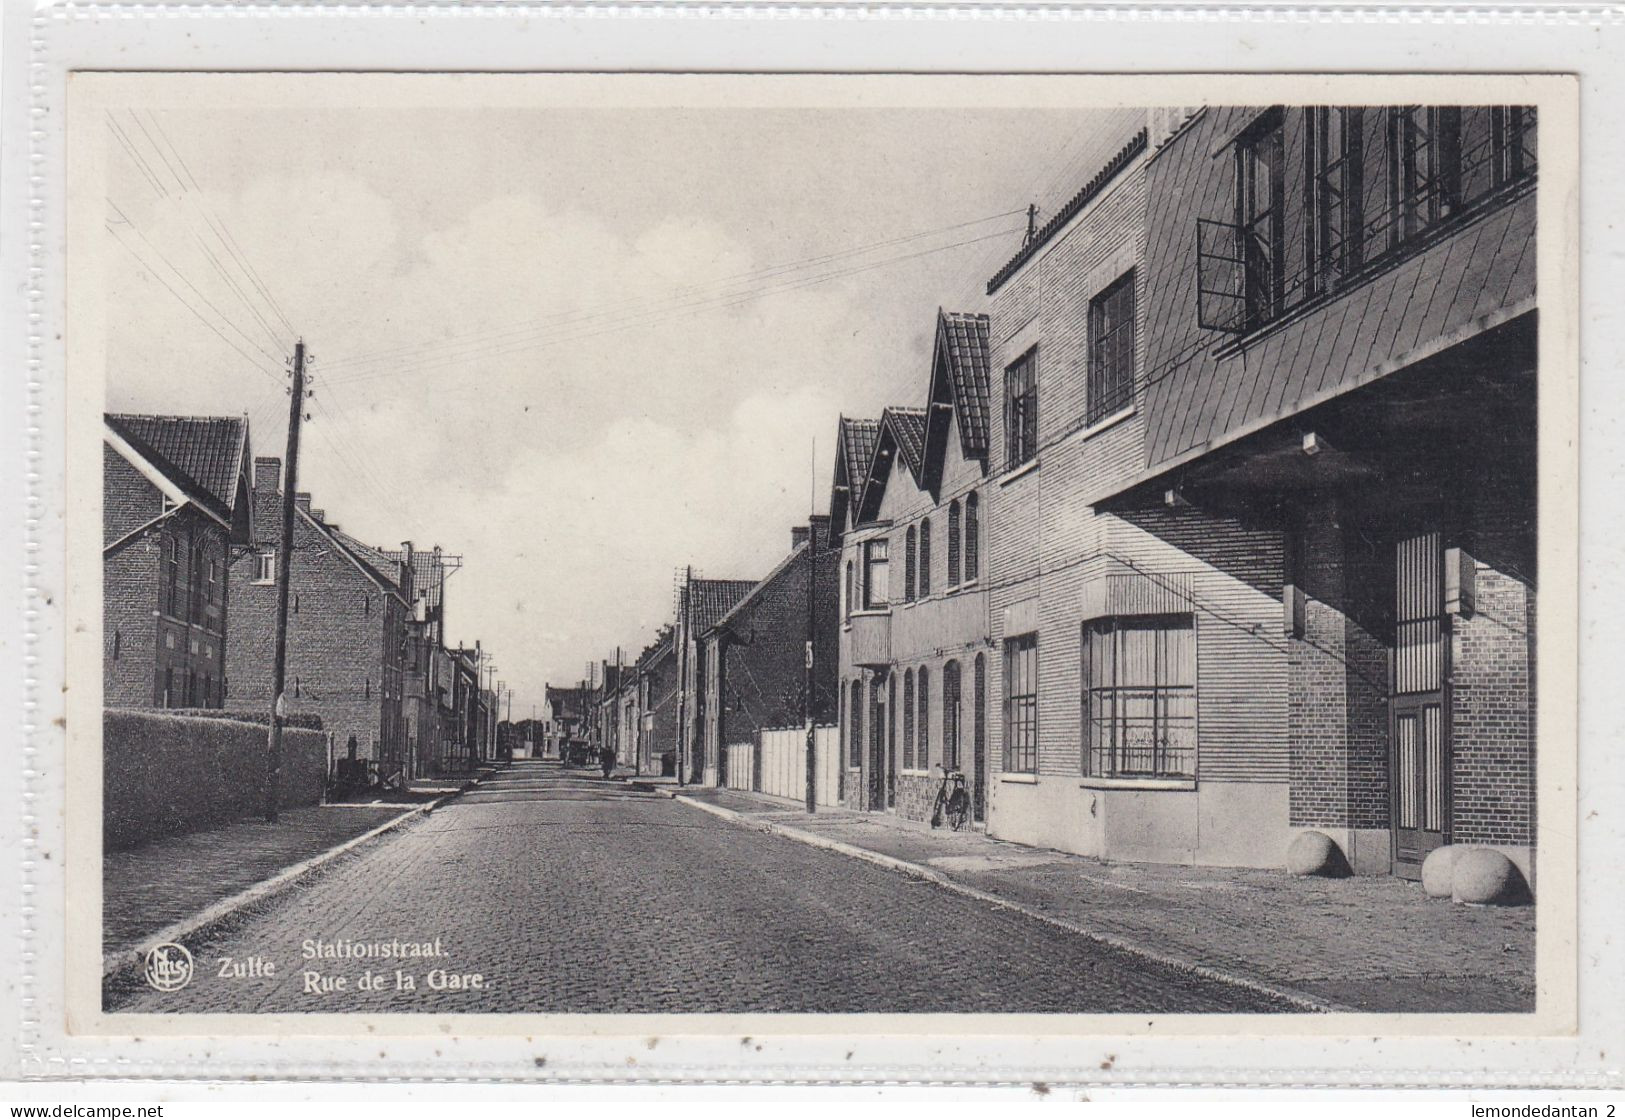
[1419,705]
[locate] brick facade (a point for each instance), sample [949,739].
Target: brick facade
[346,631]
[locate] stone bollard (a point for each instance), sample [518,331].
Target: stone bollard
[1485,877]
[1315,853]
[1439,870]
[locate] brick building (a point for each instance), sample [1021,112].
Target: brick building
[700,603]
[755,655]
[657,705]
[914,645]
[348,608]
[176,499]
[430,747]
[1255,567]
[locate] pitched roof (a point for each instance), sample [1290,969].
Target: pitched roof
[204,456]
[962,339]
[710,599]
[379,562]
[761,585]
[907,426]
[858,442]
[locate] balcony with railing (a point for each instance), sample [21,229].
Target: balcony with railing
[1346,194]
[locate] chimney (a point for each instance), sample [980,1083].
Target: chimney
[820,523]
[798,536]
[301,498]
[267,474]
[319,514]
[408,580]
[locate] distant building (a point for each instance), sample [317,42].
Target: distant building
[176,499]
[657,705]
[565,723]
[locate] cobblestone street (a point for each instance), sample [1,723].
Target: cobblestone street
[566,893]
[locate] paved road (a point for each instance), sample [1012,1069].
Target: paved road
[566,893]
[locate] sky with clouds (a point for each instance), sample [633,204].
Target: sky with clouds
[579,347]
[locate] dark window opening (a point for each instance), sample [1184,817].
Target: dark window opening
[1111,350]
[1021,409]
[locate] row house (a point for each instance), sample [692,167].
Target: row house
[756,656]
[700,604]
[429,720]
[1255,570]
[657,705]
[914,653]
[177,500]
[348,608]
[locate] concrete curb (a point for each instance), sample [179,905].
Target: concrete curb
[920,871]
[116,962]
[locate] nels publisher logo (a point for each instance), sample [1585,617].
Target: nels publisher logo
[169,967]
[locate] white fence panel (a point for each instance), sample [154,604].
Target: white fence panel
[740,765]
[784,764]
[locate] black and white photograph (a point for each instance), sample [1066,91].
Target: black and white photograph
[617,545]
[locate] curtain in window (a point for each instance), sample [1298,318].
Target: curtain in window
[1140,697]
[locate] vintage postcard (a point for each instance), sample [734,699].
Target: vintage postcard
[574,554]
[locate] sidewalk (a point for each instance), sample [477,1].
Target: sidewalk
[148,888]
[1368,944]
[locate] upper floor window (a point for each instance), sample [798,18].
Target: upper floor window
[265,566]
[1336,234]
[973,532]
[910,552]
[1260,203]
[1111,349]
[875,590]
[1324,195]
[953,543]
[925,558]
[848,589]
[1021,409]
[1139,697]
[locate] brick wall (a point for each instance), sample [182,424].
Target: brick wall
[1492,715]
[340,625]
[1337,696]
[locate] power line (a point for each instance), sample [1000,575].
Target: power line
[622,306]
[496,350]
[201,317]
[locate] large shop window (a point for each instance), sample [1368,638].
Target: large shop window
[1021,409]
[875,590]
[1021,705]
[1111,350]
[1139,697]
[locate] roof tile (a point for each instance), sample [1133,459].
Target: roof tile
[203,455]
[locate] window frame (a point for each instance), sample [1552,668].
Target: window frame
[952,714]
[910,559]
[910,756]
[873,563]
[924,574]
[1161,693]
[1016,647]
[972,559]
[922,712]
[1103,399]
[1262,145]
[1021,410]
[955,525]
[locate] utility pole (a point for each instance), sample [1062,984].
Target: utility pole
[284,574]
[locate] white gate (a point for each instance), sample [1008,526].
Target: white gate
[784,764]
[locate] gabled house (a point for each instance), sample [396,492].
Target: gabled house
[700,603]
[176,502]
[348,608]
[914,646]
[657,705]
[755,655]
[566,715]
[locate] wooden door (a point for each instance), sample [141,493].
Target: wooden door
[1419,727]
